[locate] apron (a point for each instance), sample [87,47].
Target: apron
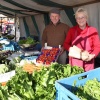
[83,43]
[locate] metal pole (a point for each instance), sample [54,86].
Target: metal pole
[15,27]
[1,25]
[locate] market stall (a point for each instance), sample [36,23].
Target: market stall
[35,82]
[29,73]
[39,73]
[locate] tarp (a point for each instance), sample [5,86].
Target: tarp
[36,26]
[31,7]
[33,14]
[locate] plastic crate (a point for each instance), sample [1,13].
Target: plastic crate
[16,46]
[65,86]
[8,47]
[12,46]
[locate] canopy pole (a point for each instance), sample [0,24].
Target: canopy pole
[1,26]
[15,27]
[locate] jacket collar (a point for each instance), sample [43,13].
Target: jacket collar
[82,31]
[56,24]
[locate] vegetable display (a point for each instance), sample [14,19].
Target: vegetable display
[10,37]
[90,91]
[3,68]
[3,55]
[27,44]
[48,56]
[40,85]
[28,40]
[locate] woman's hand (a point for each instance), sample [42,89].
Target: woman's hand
[90,57]
[84,55]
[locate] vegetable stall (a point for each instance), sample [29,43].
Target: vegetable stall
[31,82]
[25,72]
[23,79]
[29,74]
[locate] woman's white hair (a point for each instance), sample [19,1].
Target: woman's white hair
[81,10]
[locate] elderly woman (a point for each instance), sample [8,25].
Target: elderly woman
[83,42]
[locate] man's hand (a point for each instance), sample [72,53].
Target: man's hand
[61,50]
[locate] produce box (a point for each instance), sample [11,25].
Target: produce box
[64,87]
[48,56]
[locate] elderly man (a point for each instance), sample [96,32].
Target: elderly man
[54,34]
